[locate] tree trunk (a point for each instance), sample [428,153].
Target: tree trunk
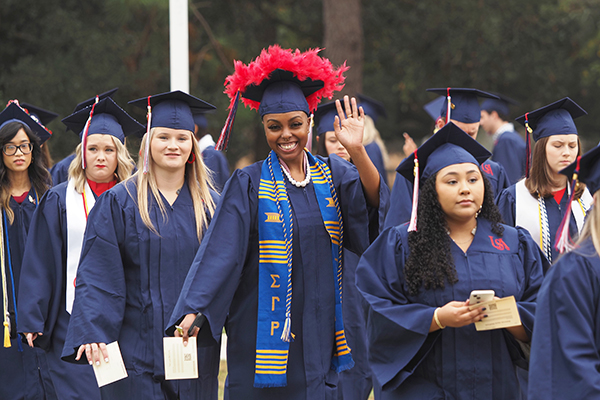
[343,40]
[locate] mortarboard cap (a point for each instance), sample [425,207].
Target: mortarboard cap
[372,107]
[450,145]
[44,117]
[14,113]
[501,105]
[200,120]
[589,169]
[108,119]
[92,100]
[434,106]
[464,104]
[324,117]
[554,119]
[173,109]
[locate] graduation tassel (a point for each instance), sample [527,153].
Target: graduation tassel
[146,166]
[86,128]
[412,227]
[449,106]
[563,241]
[287,327]
[226,131]
[528,146]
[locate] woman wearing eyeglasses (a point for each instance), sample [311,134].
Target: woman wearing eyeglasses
[56,238]
[23,179]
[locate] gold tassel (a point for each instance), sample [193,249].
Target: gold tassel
[6,335]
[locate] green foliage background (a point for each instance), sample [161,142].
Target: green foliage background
[57,53]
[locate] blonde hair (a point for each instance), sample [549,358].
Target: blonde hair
[591,228]
[371,134]
[199,181]
[124,165]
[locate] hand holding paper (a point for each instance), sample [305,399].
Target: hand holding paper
[501,313]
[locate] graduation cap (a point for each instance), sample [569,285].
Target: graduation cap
[434,107]
[500,105]
[554,119]
[372,107]
[448,146]
[585,169]
[461,104]
[44,117]
[108,119]
[173,110]
[279,81]
[92,100]
[15,113]
[324,117]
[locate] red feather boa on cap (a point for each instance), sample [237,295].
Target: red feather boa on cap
[304,65]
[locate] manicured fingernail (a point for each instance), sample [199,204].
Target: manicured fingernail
[485,316]
[97,362]
[91,363]
[483,309]
[185,344]
[106,360]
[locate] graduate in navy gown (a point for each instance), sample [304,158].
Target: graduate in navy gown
[214,160]
[565,349]
[43,117]
[60,170]
[139,244]
[509,147]
[416,277]
[465,113]
[538,202]
[55,239]
[23,180]
[270,267]
[357,382]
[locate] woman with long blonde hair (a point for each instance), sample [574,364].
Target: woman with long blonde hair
[150,227]
[566,338]
[53,249]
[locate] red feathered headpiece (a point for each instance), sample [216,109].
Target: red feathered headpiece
[307,66]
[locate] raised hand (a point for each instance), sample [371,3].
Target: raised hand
[349,124]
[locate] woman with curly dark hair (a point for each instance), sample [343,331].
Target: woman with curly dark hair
[416,277]
[23,181]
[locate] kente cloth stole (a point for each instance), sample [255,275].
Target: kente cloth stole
[275,234]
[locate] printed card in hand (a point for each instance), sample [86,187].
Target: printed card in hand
[181,362]
[501,313]
[112,371]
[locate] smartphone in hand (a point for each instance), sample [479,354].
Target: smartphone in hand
[481,296]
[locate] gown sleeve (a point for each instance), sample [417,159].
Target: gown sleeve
[398,335]
[41,285]
[362,223]
[220,259]
[400,202]
[100,291]
[565,356]
[506,204]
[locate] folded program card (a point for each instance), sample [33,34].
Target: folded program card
[181,362]
[501,313]
[112,371]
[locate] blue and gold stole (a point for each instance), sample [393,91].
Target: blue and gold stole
[275,235]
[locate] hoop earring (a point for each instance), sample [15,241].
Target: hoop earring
[192,158]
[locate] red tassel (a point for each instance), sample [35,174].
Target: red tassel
[563,240]
[412,227]
[226,131]
[528,146]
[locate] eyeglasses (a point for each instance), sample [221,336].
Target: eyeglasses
[11,149]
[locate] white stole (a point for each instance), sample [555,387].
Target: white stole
[76,223]
[525,217]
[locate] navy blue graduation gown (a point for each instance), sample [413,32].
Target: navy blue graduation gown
[510,152]
[217,163]
[565,349]
[60,170]
[555,212]
[376,157]
[223,281]
[128,281]
[454,363]
[23,374]
[42,298]
[402,192]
